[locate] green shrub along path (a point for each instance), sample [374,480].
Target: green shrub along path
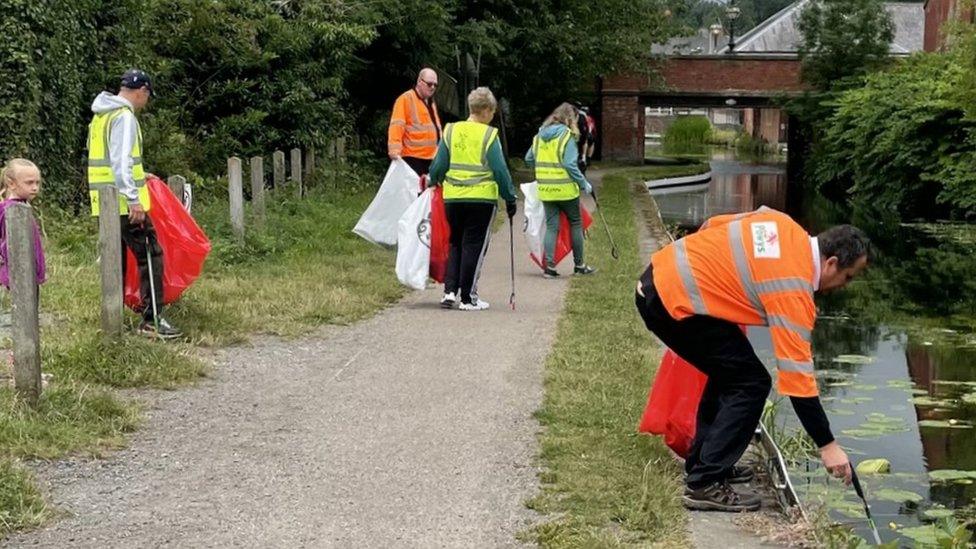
[603,485]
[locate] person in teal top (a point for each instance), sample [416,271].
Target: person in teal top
[554,156]
[471,167]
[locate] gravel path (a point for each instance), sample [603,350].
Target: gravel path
[412,429]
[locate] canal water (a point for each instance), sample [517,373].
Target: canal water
[903,392]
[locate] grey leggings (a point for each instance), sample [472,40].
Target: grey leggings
[572,209]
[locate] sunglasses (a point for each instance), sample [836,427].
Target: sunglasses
[430,84]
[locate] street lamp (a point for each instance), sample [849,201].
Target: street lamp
[732,12]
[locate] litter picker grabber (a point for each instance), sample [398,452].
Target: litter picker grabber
[867,508]
[613,245]
[511,255]
[152,287]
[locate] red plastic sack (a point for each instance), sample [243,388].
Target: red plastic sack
[185,247]
[672,405]
[440,236]
[564,240]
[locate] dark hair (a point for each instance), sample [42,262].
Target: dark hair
[847,243]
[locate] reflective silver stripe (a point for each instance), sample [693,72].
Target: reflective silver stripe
[543,181]
[489,133]
[468,167]
[104,163]
[688,279]
[96,186]
[469,181]
[742,266]
[420,143]
[422,127]
[784,285]
[548,165]
[398,123]
[780,321]
[793,366]
[414,116]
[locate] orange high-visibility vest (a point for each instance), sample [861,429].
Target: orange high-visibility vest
[413,132]
[754,269]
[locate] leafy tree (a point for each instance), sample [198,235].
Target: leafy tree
[843,40]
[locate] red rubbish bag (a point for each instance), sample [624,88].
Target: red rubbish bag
[564,240]
[440,236]
[672,405]
[185,247]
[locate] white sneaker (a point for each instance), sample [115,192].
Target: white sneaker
[448,301]
[479,305]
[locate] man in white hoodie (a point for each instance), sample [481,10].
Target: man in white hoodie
[115,158]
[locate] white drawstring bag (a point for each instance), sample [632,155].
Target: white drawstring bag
[535,221]
[399,190]
[413,243]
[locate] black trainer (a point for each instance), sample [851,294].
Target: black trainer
[583,270]
[741,475]
[550,272]
[719,496]
[165,329]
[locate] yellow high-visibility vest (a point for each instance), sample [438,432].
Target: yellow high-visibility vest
[469,177]
[554,181]
[100,165]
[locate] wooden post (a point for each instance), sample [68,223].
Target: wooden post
[257,189]
[296,171]
[309,163]
[341,149]
[176,183]
[236,192]
[110,258]
[279,169]
[23,290]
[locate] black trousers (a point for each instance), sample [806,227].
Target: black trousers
[419,165]
[734,395]
[140,239]
[470,225]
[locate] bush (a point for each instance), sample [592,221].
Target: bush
[901,145]
[688,130]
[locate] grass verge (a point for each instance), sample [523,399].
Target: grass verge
[604,485]
[21,505]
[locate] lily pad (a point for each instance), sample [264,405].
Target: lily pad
[951,475]
[930,401]
[841,384]
[938,513]
[840,412]
[923,535]
[897,495]
[876,417]
[969,398]
[955,383]
[876,466]
[853,359]
[863,433]
[899,384]
[945,424]
[865,387]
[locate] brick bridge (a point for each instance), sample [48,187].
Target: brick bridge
[739,80]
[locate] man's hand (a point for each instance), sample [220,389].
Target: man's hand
[394,156]
[511,208]
[836,461]
[137,215]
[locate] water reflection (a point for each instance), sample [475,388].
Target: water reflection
[735,187]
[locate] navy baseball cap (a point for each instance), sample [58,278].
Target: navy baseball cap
[136,79]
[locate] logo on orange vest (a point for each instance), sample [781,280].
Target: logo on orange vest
[765,240]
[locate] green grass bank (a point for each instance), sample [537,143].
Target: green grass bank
[304,268]
[603,485]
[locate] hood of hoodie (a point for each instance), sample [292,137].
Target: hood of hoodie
[108,102]
[554,131]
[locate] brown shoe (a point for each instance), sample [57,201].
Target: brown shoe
[719,496]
